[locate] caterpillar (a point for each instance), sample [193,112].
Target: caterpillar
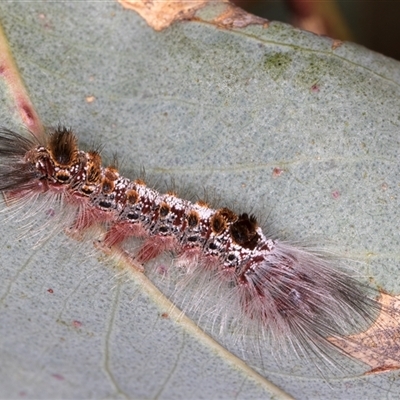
[292,296]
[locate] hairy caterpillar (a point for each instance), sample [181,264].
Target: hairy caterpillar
[292,296]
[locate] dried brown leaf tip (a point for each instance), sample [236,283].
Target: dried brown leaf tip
[161,14]
[236,17]
[336,43]
[378,346]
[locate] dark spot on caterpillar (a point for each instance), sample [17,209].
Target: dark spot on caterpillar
[163,229]
[218,223]
[243,231]
[193,219]
[164,209]
[107,186]
[231,257]
[212,246]
[88,190]
[105,204]
[63,176]
[133,216]
[132,196]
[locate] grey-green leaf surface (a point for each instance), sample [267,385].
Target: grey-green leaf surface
[269,118]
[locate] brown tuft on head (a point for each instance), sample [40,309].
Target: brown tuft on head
[244,231]
[63,147]
[164,209]
[132,196]
[193,219]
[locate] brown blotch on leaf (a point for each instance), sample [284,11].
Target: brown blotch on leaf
[236,17]
[132,196]
[378,346]
[243,231]
[336,43]
[276,172]
[164,209]
[161,14]
[193,219]
[382,369]
[63,147]
[16,90]
[29,113]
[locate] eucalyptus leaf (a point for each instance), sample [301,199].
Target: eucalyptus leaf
[297,128]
